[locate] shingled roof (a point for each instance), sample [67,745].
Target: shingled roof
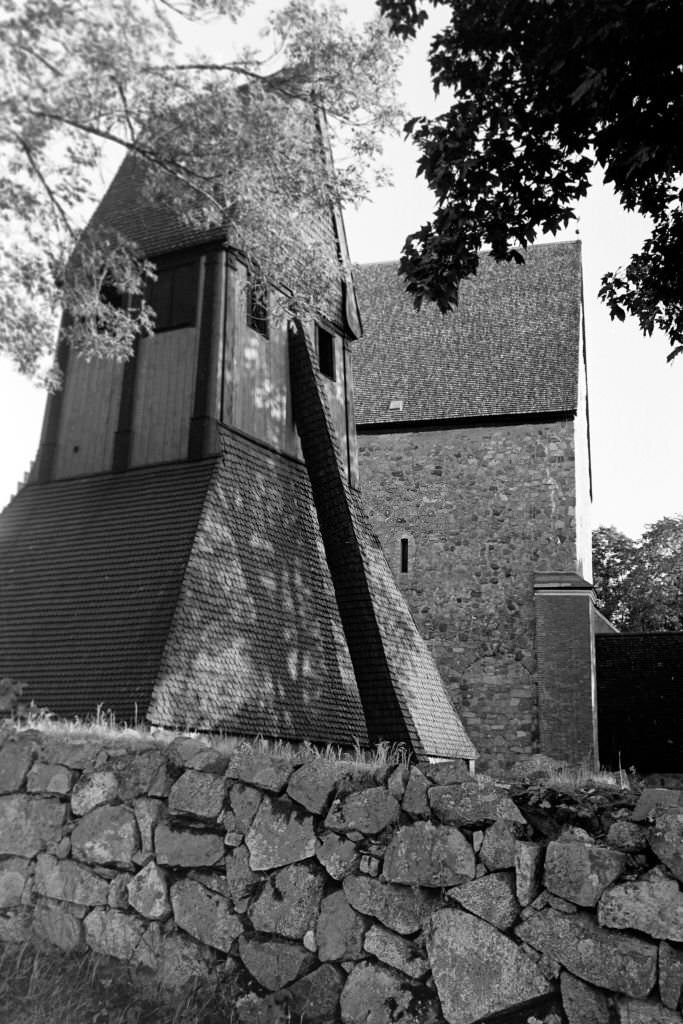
[154,226]
[201,588]
[403,695]
[511,348]
[91,571]
[257,645]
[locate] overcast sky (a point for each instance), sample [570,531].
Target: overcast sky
[635,397]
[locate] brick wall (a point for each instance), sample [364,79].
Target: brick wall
[482,508]
[565,655]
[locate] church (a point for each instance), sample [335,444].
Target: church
[191,548]
[226,533]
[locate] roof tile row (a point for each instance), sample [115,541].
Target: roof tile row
[512,346]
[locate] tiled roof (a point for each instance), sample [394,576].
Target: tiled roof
[90,571]
[511,348]
[199,586]
[257,645]
[156,228]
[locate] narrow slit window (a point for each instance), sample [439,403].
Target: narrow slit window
[404,554]
[326,353]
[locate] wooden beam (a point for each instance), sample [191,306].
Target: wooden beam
[204,424]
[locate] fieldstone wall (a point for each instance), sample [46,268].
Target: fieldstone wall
[323,893]
[482,508]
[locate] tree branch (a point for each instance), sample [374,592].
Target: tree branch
[185,13]
[170,166]
[39,57]
[235,68]
[46,185]
[126,111]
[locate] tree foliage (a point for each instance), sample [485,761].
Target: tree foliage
[541,91]
[613,562]
[639,584]
[230,136]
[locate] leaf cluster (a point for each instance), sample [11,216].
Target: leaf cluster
[229,136]
[639,584]
[541,91]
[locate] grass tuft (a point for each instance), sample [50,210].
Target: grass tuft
[579,777]
[104,726]
[46,987]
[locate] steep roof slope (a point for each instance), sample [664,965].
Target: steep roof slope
[214,595]
[90,571]
[257,644]
[403,695]
[201,587]
[510,348]
[155,227]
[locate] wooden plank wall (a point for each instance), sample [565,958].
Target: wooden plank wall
[90,410]
[256,389]
[164,396]
[255,398]
[256,395]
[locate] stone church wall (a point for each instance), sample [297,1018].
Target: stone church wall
[480,509]
[322,891]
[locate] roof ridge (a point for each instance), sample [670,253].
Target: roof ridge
[484,251]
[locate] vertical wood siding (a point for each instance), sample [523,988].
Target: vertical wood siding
[90,409]
[164,396]
[256,388]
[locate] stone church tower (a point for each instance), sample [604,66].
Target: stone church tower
[475,468]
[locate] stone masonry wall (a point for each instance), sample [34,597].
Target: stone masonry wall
[322,893]
[482,508]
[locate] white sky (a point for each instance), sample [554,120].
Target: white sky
[635,397]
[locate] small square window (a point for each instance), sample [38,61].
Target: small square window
[396,405]
[326,353]
[257,306]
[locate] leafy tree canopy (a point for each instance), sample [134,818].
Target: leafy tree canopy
[639,584]
[541,91]
[231,140]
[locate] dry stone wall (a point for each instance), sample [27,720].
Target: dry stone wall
[320,893]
